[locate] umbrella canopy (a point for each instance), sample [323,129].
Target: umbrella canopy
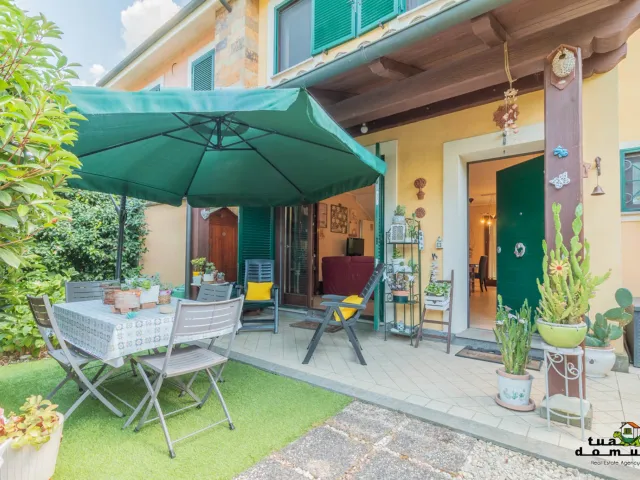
[216,148]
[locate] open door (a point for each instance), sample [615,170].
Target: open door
[378,294]
[520,222]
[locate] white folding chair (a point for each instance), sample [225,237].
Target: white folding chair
[211,292]
[72,361]
[211,319]
[85,291]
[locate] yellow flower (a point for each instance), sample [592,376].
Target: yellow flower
[559,267]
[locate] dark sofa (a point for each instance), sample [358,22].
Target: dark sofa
[345,275]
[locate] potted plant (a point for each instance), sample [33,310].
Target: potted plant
[164,294]
[220,277]
[399,286]
[437,294]
[149,288]
[397,260]
[31,440]
[398,215]
[600,355]
[513,333]
[567,286]
[209,272]
[198,269]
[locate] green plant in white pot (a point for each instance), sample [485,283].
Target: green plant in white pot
[568,286]
[30,440]
[600,354]
[399,215]
[513,332]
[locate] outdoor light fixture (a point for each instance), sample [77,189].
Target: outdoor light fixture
[597,191]
[364,128]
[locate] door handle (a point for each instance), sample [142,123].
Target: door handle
[519,250]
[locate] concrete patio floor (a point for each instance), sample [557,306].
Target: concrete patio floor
[442,386]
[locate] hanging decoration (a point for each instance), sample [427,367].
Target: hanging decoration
[561,180]
[420,183]
[420,212]
[506,116]
[563,63]
[560,152]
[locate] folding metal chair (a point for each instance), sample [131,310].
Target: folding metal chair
[259,270]
[211,319]
[85,291]
[210,292]
[348,324]
[72,361]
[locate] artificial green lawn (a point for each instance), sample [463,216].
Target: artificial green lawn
[268,412]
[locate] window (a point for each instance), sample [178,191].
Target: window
[627,431]
[630,173]
[203,72]
[293,23]
[411,4]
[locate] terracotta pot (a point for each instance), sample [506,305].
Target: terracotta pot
[400,296]
[109,293]
[599,361]
[514,390]
[420,195]
[164,297]
[561,335]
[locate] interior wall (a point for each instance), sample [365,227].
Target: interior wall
[332,244]
[165,242]
[476,232]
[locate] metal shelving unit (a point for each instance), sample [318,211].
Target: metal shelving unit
[410,249]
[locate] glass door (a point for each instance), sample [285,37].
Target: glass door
[298,259]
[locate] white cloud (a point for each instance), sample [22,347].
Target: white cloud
[95,72]
[143,18]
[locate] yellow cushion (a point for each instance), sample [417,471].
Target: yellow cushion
[347,313]
[258,291]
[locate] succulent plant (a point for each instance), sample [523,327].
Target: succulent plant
[400,210]
[601,332]
[33,426]
[513,333]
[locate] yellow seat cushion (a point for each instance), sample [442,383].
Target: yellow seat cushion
[258,291]
[347,312]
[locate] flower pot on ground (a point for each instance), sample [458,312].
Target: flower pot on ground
[31,441]
[567,286]
[600,355]
[513,332]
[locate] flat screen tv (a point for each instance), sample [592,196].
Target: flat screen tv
[355,247]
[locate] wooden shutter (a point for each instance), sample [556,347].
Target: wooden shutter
[203,72]
[371,13]
[334,22]
[256,230]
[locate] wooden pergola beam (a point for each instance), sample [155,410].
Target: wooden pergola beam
[388,68]
[489,30]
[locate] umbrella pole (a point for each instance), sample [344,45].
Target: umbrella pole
[187,260]
[122,217]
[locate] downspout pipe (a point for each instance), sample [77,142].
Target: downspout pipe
[446,18]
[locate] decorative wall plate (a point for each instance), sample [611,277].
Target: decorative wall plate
[560,181]
[560,152]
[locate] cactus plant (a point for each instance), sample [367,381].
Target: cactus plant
[601,332]
[400,210]
[568,284]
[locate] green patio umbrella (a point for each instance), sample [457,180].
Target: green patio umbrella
[223,147]
[216,148]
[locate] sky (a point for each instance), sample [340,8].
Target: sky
[100,33]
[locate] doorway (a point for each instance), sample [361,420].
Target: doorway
[505,209]
[223,242]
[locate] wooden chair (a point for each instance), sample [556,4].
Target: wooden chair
[260,271]
[442,322]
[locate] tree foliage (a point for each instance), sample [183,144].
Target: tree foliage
[36,122]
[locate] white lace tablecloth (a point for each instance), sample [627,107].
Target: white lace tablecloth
[93,328]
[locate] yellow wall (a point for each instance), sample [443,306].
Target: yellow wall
[166,242]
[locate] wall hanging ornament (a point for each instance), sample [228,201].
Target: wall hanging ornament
[420,183]
[339,218]
[563,63]
[420,212]
[506,116]
[560,181]
[560,152]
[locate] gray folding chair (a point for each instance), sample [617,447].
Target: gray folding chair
[333,304]
[211,319]
[259,270]
[72,361]
[85,291]
[210,292]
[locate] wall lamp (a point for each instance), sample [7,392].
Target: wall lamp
[597,191]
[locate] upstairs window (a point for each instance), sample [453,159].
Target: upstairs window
[203,72]
[630,173]
[411,4]
[293,23]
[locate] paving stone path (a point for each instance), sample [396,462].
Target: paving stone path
[366,442]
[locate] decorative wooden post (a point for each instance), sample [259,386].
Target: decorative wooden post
[563,157]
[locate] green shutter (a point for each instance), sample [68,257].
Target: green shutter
[334,22]
[255,236]
[371,13]
[203,72]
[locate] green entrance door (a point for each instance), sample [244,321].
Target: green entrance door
[520,220]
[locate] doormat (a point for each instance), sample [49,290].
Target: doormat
[308,325]
[494,356]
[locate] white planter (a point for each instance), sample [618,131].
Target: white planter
[599,361]
[151,295]
[514,390]
[208,277]
[398,220]
[197,279]
[27,463]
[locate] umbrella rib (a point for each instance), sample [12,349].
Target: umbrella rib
[184,140]
[252,138]
[265,159]
[204,151]
[148,137]
[194,130]
[81,173]
[289,136]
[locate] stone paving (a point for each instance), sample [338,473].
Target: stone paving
[366,442]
